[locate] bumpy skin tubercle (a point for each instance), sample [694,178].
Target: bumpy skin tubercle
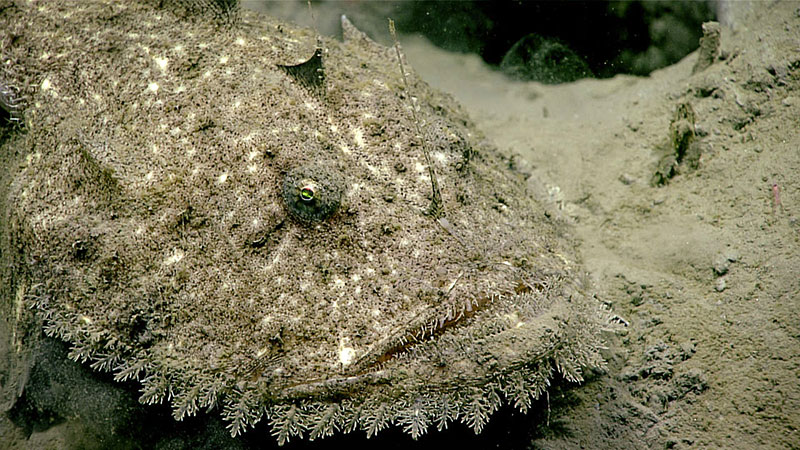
[188,215]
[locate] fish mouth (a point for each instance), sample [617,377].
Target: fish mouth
[437,322]
[375,366]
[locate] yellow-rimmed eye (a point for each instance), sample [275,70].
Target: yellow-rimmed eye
[313,193]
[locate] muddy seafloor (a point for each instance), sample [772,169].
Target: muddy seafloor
[705,268]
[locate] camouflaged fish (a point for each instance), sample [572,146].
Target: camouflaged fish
[189,201]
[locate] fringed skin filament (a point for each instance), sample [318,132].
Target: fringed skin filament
[10,102]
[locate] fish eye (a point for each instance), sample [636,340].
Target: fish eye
[313,193]
[308,190]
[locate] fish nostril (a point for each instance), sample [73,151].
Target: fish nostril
[266,237]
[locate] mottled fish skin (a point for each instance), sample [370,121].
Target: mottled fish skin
[186,214]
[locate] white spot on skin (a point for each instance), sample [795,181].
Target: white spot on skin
[46,85]
[240,41]
[177,255]
[222,178]
[346,354]
[358,136]
[223,60]
[162,63]
[149,176]
[338,282]
[153,87]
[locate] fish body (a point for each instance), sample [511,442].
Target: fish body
[184,211]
